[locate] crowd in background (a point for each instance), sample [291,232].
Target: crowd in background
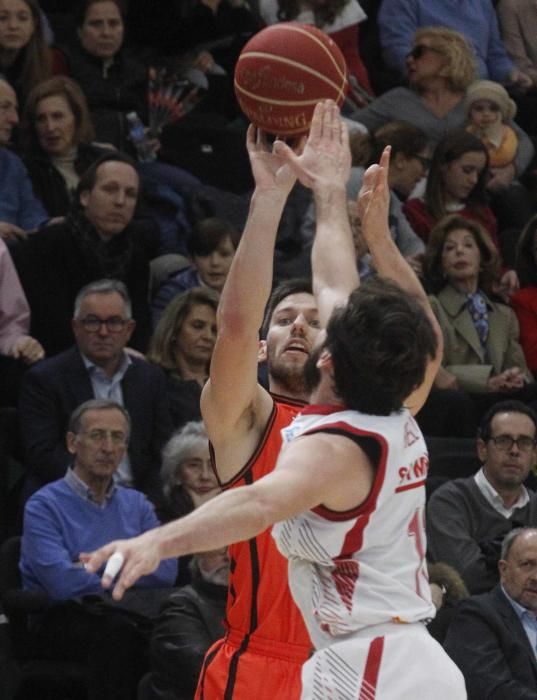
[117,232]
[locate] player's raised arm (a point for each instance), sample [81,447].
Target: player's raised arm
[232,390]
[324,166]
[373,207]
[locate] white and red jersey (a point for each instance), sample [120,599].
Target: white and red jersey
[350,570]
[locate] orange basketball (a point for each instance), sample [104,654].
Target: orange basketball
[283,71]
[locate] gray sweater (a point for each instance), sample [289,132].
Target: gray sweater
[464,530]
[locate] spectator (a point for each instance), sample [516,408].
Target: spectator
[340,19]
[17,347]
[188,479]
[97,239]
[467,519]
[113,81]
[492,638]
[524,301]
[482,353]
[399,20]
[182,345]
[518,18]
[25,58]
[72,515]
[489,108]
[441,66]
[57,137]
[97,367]
[456,183]
[20,210]
[211,247]
[188,624]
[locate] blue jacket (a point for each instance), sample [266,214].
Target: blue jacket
[18,204]
[476,19]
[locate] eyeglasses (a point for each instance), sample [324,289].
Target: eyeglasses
[418,51]
[99,436]
[92,324]
[504,443]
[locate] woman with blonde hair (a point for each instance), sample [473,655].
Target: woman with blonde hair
[441,66]
[182,345]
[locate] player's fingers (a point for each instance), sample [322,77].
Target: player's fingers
[370,177]
[94,560]
[316,128]
[130,574]
[251,137]
[344,134]
[286,153]
[384,161]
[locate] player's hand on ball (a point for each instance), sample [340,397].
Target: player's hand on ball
[270,170]
[325,160]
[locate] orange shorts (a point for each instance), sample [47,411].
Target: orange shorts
[263,670]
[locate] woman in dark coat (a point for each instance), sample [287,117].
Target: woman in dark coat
[58,138]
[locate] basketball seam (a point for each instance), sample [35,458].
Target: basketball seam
[305,32]
[295,64]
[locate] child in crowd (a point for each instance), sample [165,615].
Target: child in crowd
[489,107]
[211,247]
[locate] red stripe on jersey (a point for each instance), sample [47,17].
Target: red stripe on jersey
[323,409]
[368,691]
[413,485]
[354,538]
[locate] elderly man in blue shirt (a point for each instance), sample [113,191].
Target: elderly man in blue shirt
[20,210]
[493,637]
[77,513]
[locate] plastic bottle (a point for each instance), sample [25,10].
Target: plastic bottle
[138,136]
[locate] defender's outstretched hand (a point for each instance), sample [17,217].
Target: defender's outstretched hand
[374,198]
[140,558]
[326,157]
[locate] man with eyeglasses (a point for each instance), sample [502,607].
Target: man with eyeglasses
[83,509]
[20,210]
[97,367]
[467,519]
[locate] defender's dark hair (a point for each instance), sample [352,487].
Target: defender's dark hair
[512,406]
[380,344]
[296,285]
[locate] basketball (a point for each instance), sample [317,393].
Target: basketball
[281,74]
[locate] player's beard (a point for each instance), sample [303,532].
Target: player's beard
[289,377]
